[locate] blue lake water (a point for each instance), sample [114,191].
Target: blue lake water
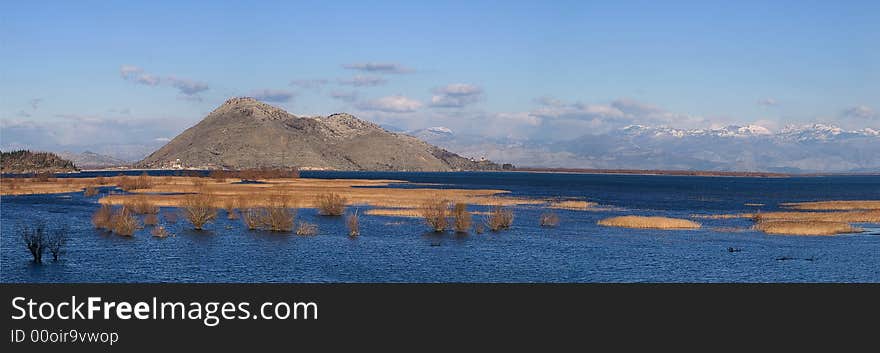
[394,249]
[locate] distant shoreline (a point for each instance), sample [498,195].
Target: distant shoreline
[704,173]
[684,172]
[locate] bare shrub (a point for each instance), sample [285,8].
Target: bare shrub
[56,242]
[124,223]
[90,191]
[462,218]
[103,217]
[229,206]
[549,219]
[128,183]
[307,229]
[219,175]
[499,218]
[279,219]
[199,209]
[252,218]
[479,228]
[331,204]
[151,219]
[35,240]
[353,223]
[100,180]
[435,213]
[159,232]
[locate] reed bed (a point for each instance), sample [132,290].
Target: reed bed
[642,222]
[872,216]
[834,205]
[805,227]
[574,205]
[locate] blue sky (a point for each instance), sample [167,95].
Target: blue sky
[499,68]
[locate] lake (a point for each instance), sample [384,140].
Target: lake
[393,249]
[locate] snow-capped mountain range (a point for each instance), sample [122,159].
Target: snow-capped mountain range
[795,148]
[812,132]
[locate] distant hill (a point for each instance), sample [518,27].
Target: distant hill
[23,161]
[92,160]
[246,133]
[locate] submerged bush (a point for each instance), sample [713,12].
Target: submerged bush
[159,232]
[199,209]
[549,219]
[124,222]
[353,223]
[435,213]
[331,204]
[35,240]
[102,218]
[499,218]
[462,218]
[57,241]
[307,229]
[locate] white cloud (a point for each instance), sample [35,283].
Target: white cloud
[768,102]
[273,96]
[861,111]
[392,104]
[385,68]
[308,83]
[363,81]
[456,95]
[186,86]
[345,96]
[147,79]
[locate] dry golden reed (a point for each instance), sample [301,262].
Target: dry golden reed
[643,222]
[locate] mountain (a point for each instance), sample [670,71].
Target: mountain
[247,133]
[88,159]
[23,161]
[794,149]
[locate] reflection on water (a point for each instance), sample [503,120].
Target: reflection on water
[404,250]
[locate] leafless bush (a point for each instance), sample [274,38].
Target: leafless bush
[252,218]
[499,218]
[479,229]
[549,219]
[100,180]
[103,217]
[331,204]
[462,218]
[306,229]
[199,209]
[90,191]
[141,182]
[435,213]
[353,223]
[124,223]
[57,241]
[279,219]
[43,176]
[229,206]
[35,240]
[159,232]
